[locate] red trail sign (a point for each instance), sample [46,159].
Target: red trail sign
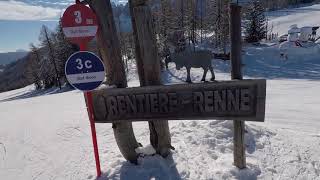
[79,24]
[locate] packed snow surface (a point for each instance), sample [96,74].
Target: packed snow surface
[304,16]
[46,135]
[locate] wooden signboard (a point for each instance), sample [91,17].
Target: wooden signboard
[227,100]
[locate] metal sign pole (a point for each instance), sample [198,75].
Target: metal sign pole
[88,97]
[84,70]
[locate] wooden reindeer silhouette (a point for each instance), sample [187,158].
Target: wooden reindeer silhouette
[192,59]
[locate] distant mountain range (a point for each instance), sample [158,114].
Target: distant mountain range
[1,68]
[10,57]
[13,75]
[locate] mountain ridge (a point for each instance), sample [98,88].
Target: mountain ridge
[10,57]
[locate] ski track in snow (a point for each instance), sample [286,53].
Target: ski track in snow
[3,151]
[294,158]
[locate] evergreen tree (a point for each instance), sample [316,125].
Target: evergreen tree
[47,41]
[63,49]
[33,68]
[45,67]
[255,22]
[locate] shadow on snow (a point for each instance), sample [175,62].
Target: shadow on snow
[150,167]
[35,93]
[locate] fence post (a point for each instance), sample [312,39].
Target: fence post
[236,39]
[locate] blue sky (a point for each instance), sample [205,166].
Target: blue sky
[21,20]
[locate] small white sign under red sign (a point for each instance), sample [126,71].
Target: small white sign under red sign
[79,24]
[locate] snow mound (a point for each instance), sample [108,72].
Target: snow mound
[148,150]
[298,50]
[204,150]
[281,20]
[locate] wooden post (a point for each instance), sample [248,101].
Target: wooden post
[137,45]
[239,126]
[149,68]
[109,47]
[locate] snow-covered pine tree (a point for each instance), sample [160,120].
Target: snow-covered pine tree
[171,25]
[201,10]
[216,21]
[255,22]
[222,25]
[209,18]
[163,17]
[33,67]
[63,49]
[46,39]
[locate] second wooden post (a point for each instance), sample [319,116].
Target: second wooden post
[239,150]
[149,68]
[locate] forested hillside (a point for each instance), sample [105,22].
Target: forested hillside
[13,76]
[10,57]
[43,66]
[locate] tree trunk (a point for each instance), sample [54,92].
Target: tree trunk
[109,46]
[53,60]
[150,69]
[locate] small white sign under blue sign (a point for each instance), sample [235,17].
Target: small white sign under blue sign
[85,71]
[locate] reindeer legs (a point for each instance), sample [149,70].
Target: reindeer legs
[212,73]
[205,70]
[188,75]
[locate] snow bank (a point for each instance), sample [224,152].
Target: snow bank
[297,50]
[304,16]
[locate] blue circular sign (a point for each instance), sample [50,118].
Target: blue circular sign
[85,71]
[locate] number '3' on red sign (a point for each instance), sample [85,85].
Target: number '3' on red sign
[79,24]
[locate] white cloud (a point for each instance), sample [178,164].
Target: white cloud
[14,10]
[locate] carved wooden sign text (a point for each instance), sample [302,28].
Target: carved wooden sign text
[228,100]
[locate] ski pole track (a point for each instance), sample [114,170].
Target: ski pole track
[3,151]
[290,157]
[71,132]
